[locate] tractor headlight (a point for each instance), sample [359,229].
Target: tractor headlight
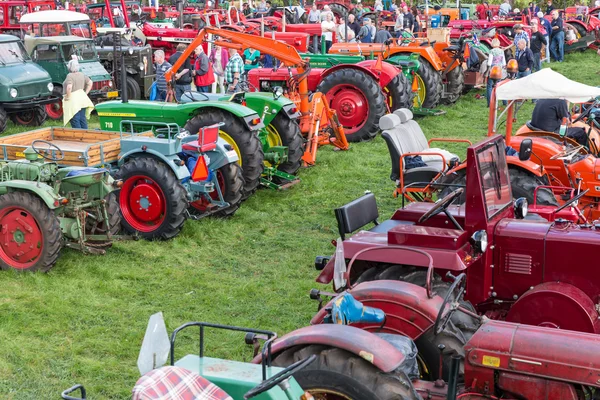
[110,84]
[50,87]
[13,93]
[277,92]
[520,207]
[130,51]
[479,241]
[141,66]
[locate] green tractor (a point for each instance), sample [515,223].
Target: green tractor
[44,207]
[260,127]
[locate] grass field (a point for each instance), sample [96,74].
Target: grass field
[84,321]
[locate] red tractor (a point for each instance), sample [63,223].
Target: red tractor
[519,267]
[12,10]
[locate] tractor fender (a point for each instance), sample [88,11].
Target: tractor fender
[556,305]
[260,101]
[246,114]
[220,156]
[425,52]
[385,74]
[366,70]
[408,310]
[367,345]
[526,166]
[131,71]
[40,189]
[172,161]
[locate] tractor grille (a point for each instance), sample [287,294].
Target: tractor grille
[99,85]
[32,89]
[517,264]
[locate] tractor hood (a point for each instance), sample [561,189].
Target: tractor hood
[95,71]
[23,74]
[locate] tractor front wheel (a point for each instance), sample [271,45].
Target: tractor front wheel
[523,184]
[152,200]
[30,238]
[337,374]
[358,101]
[54,110]
[134,92]
[283,131]
[35,116]
[399,93]
[245,143]
[97,225]
[455,84]
[231,183]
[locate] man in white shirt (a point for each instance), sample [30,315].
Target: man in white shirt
[326,11]
[505,8]
[327,29]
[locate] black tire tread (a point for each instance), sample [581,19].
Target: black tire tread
[136,92]
[433,83]
[176,196]
[3,119]
[49,225]
[400,93]
[373,94]
[39,117]
[291,136]
[523,184]
[248,142]
[455,85]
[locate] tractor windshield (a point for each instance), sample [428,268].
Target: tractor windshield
[494,177]
[12,53]
[85,51]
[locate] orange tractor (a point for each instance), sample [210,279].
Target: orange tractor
[440,76]
[318,122]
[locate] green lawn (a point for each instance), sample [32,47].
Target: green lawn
[84,321]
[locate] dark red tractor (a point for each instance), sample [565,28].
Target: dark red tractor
[12,10]
[520,268]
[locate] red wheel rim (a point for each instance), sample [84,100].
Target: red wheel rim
[202,204]
[54,110]
[21,239]
[25,117]
[351,106]
[143,203]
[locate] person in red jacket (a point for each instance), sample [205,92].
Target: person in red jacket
[202,71]
[482,10]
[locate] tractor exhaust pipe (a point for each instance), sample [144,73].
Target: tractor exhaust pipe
[453,378]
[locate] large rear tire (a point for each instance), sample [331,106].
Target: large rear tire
[246,144]
[26,220]
[432,82]
[283,131]
[338,374]
[339,11]
[358,101]
[153,202]
[134,92]
[35,116]
[399,93]
[523,184]
[455,85]
[231,183]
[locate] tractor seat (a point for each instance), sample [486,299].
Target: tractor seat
[175,383]
[531,127]
[360,212]
[452,48]
[401,138]
[207,140]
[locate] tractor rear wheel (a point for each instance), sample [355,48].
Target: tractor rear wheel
[523,184]
[35,116]
[455,85]
[152,200]
[134,92]
[430,85]
[399,93]
[54,110]
[339,11]
[3,119]
[358,101]
[337,374]
[31,238]
[231,183]
[283,131]
[245,143]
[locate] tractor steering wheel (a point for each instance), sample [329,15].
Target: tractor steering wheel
[441,205]
[50,145]
[584,114]
[452,300]
[279,377]
[567,154]
[572,200]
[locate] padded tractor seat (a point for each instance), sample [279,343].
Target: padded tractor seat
[531,127]
[361,212]
[176,383]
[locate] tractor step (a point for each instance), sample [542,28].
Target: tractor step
[271,172]
[426,112]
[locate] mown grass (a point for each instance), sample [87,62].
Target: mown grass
[84,321]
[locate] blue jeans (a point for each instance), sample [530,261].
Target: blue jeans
[523,74]
[180,89]
[203,89]
[79,120]
[547,48]
[537,61]
[557,46]
[161,95]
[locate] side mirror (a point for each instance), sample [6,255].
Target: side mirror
[525,149]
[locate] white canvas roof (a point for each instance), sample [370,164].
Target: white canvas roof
[546,84]
[53,16]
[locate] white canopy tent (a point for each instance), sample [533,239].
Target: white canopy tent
[53,16]
[546,84]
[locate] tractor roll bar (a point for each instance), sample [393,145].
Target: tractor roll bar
[265,362]
[430,267]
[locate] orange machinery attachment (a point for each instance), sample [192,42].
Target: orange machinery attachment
[318,123]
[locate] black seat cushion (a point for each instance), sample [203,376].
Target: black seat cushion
[385,226]
[394,155]
[533,128]
[357,213]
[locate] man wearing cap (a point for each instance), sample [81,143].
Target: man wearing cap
[366,34]
[547,29]
[519,34]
